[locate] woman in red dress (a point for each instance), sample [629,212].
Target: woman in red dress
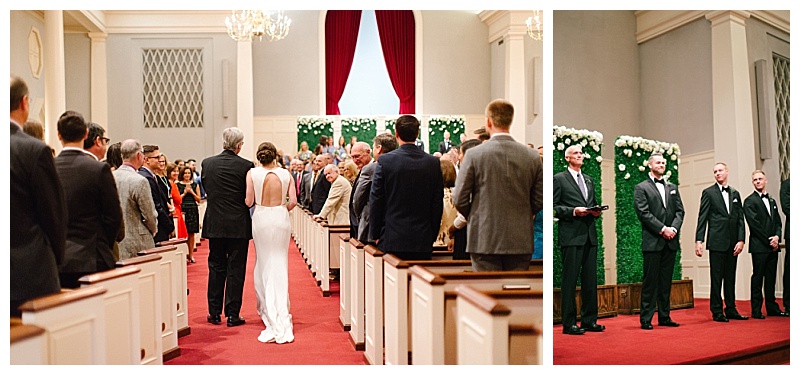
[173,171]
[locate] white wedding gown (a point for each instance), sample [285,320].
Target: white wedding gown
[271,236]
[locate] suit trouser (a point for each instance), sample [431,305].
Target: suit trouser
[500,262]
[579,260]
[765,268]
[227,264]
[657,283]
[723,279]
[460,244]
[786,277]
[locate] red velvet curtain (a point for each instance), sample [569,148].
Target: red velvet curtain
[396,29]
[341,34]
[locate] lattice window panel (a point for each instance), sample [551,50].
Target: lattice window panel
[172,87]
[780,67]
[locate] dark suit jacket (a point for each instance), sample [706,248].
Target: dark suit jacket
[444,146]
[93,210]
[654,216]
[763,225]
[724,229]
[38,218]
[573,230]
[406,200]
[360,200]
[785,206]
[165,223]
[305,187]
[319,194]
[224,177]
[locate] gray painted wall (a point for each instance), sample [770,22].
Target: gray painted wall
[596,73]
[20,26]
[78,66]
[676,97]
[498,85]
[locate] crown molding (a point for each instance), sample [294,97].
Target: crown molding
[653,23]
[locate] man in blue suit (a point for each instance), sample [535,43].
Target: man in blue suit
[406,197]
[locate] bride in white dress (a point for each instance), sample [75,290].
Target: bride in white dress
[272,190]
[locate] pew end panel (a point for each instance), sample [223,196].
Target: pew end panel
[357,311]
[28,344]
[171,287]
[150,310]
[344,281]
[373,305]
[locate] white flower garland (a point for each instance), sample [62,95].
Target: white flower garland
[438,124]
[313,124]
[586,138]
[671,151]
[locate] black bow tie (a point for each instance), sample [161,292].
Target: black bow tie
[659,181]
[765,196]
[727,188]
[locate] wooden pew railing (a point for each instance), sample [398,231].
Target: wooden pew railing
[28,344]
[183,302]
[152,322]
[501,327]
[121,305]
[74,322]
[432,301]
[172,287]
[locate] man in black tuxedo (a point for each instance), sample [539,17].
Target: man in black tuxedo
[94,213]
[406,197]
[721,212]
[227,226]
[320,185]
[573,195]
[785,208]
[762,216]
[38,225]
[444,145]
[165,224]
[658,206]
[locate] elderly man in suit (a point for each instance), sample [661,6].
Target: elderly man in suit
[445,144]
[660,209]
[227,226]
[573,197]
[784,194]
[360,152]
[381,145]
[138,210]
[721,212]
[499,182]
[764,222]
[94,214]
[166,226]
[320,186]
[406,197]
[336,209]
[38,228]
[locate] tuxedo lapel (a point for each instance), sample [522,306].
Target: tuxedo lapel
[721,199]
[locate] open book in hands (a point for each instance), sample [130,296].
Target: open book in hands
[598,208]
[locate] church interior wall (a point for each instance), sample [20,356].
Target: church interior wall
[77,63]
[20,25]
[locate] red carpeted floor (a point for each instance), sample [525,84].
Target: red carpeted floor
[319,338]
[698,340]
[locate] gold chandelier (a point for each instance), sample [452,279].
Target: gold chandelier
[246,25]
[534,25]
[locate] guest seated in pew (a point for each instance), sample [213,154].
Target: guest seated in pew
[93,210]
[38,230]
[406,197]
[500,183]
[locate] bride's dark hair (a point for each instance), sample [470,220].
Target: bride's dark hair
[266,153]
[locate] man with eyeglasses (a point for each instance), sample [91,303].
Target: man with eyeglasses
[165,224]
[96,142]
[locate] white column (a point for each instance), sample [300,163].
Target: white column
[244,97]
[99,80]
[515,77]
[54,75]
[734,141]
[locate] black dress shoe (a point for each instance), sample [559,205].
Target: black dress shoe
[594,327]
[214,319]
[720,318]
[737,317]
[647,326]
[758,316]
[234,321]
[778,313]
[669,323]
[574,330]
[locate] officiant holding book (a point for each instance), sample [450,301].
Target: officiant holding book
[573,201]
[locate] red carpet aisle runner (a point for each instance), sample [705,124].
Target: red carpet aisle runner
[698,340]
[319,338]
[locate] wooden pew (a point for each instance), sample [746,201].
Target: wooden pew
[121,304]
[433,312]
[328,254]
[151,316]
[344,281]
[183,302]
[373,305]
[500,327]
[172,286]
[28,344]
[74,321]
[356,285]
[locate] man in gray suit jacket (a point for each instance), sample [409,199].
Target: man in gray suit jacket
[500,182]
[660,209]
[360,153]
[573,196]
[138,210]
[381,144]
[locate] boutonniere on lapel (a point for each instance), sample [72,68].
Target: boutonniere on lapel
[672,192]
[735,200]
